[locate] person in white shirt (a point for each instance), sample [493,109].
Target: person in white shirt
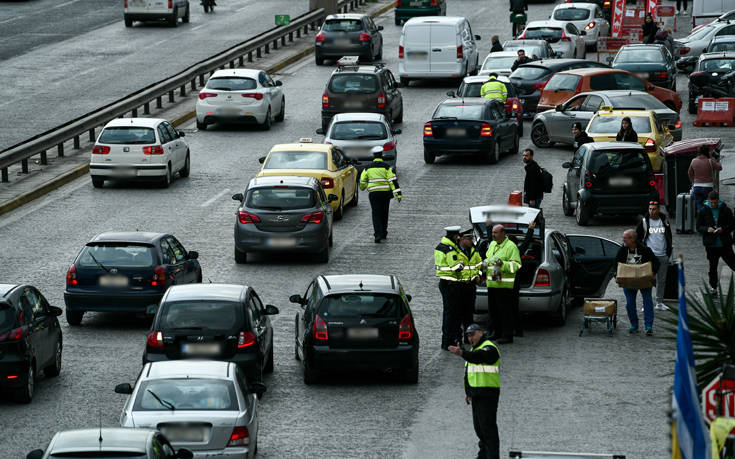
[654,231]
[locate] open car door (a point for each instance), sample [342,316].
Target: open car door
[593,264]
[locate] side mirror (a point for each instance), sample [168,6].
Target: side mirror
[238,197]
[193,254]
[320,131]
[567,165]
[261,160]
[271,310]
[184,453]
[409,297]
[396,131]
[279,83]
[332,198]
[123,388]
[181,133]
[452,93]
[477,37]
[56,311]
[380,27]
[559,108]
[35,454]
[257,388]
[296,299]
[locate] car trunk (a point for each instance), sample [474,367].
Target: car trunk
[362,319]
[128,145]
[444,53]
[148,6]
[354,92]
[342,32]
[621,172]
[458,129]
[194,430]
[197,343]
[525,77]
[118,266]
[280,221]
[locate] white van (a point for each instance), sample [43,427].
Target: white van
[156,10]
[437,47]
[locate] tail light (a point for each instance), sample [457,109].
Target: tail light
[13,377]
[100,150]
[327,182]
[515,106]
[486,130]
[460,54]
[155,339]
[650,145]
[587,180]
[314,217]
[240,437]
[365,37]
[540,84]
[564,37]
[125,4]
[13,335]
[247,217]
[381,100]
[591,25]
[254,95]
[678,124]
[320,328]
[71,276]
[204,95]
[427,130]
[320,37]
[388,146]
[607,4]
[651,180]
[433,3]
[405,328]
[400,52]
[661,74]
[522,36]
[542,279]
[399,3]
[325,100]
[153,150]
[170,4]
[684,50]
[245,339]
[159,277]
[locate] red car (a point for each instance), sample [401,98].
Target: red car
[471,86]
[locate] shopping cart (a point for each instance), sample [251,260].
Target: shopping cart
[600,310]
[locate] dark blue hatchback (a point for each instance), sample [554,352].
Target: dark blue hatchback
[128,272]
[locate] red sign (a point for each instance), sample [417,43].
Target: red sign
[718,399]
[611,44]
[652,8]
[617,18]
[665,11]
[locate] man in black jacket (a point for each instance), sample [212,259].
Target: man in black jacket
[654,231]
[482,388]
[636,254]
[716,223]
[533,185]
[580,136]
[522,59]
[495,41]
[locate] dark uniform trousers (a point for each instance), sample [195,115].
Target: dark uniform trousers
[450,325]
[466,306]
[501,306]
[380,205]
[484,417]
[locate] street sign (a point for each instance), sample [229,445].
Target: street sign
[718,399]
[283,19]
[617,18]
[610,44]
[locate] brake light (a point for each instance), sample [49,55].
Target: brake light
[427,130]
[460,54]
[564,37]
[660,74]
[204,95]
[591,25]
[325,100]
[155,339]
[320,329]
[13,377]
[607,4]
[314,217]
[381,100]
[684,50]
[159,277]
[246,339]
[154,150]
[170,4]
[254,95]
[400,52]
[678,124]
[247,217]
[522,36]
[399,3]
[540,84]
[14,334]
[542,279]
[320,37]
[433,2]
[100,150]
[515,106]
[388,146]
[587,180]
[650,145]
[327,182]
[486,130]
[71,276]
[405,328]
[365,37]
[240,437]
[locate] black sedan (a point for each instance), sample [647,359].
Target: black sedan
[709,68]
[348,35]
[650,62]
[470,126]
[30,340]
[127,272]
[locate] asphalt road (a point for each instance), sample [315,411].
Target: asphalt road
[559,392]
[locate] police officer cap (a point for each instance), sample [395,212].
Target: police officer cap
[452,229]
[473,328]
[466,233]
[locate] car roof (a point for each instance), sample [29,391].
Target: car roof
[305,146]
[360,282]
[483,79]
[371,69]
[614,146]
[290,180]
[135,122]
[718,54]
[633,112]
[503,213]
[555,63]
[502,54]
[127,236]
[358,116]
[562,6]
[588,71]
[7,288]
[546,23]
[517,43]
[249,73]
[205,292]
[214,369]
[641,45]
[113,439]
[468,101]
[345,16]
[436,19]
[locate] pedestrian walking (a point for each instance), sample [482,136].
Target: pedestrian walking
[382,185]
[580,136]
[482,389]
[449,267]
[679,10]
[716,224]
[520,60]
[470,277]
[494,89]
[633,253]
[533,184]
[654,231]
[702,175]
[626,132]
[495,41]
[503,262]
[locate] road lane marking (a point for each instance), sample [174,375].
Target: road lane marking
[13,19]
[211,201]
[61,5]
[198,27]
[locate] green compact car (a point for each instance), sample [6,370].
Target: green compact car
[407,9]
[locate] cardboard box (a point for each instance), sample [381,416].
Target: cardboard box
[602,308]
[636,276]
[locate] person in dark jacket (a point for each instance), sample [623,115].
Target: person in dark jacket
[626,132]
[716,223]
[636,254]
[580,136]
[533,185]
[522,59]
[496,44]
[654,231]
[649,29]
[482,388]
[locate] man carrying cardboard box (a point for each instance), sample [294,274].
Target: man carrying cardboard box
[642,278]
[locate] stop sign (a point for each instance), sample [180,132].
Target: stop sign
[719,395]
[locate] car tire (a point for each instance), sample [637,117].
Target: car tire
[74,318]
[516,145]
[318,59]
[295,338]
[492,156]
[582,214]
[25,394]
[397,21]
[268,367]
[330,239]
[380,54]
[266,126]
[355,197]
[520,127]
[55,368]
[399,120]
[540,136]
[185,19]
[201,126]
[405,81]
[128,22]
[310,376]
[429,157]
[184,172]
[282,115]
[98,182]
[410,376]
[168,178]
[566,207]
[560,315]
[173,20]
[340,212]
[692,106]
[240,256]
[323,256]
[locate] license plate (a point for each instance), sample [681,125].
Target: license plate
[643,75]
[200,349]
[230,111]
[113,281]
[621,181]
[416,4]
[281,242]
[352,104]
[183,434]
[418,55]
[362,333]
[456,132]
[342,42]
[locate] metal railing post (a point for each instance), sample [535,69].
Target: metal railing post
[60,150]
[44,159]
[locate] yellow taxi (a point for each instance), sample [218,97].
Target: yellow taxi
[325,162]
[605,124]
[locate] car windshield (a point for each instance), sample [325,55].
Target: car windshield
[722,46]
[118,255]
[700,34]
[296,160]
[127,135]
[213,315]
[632,55]
[571,14]
[609,162]
[611,124]
[504,62]
[232,83]
[562,82]
[532,51]
[100,455]
[460,112]
[342,25]
[717,65]
[7,318]
[353,83]
[640,101]
[361,304]
[281,198]
[186,394]
[529,72]
[550,34]
[358,130]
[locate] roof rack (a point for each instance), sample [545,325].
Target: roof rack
[348,61]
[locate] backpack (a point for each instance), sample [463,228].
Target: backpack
[548,180]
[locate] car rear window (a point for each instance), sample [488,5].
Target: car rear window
[7,318]
[642,101]
[475,89]
[281,198]
[353,83]
[550,34]
[700,34]
[232,84]
[358,130]
[610,162]
[562,82]
[505,62]
[100,455]
[460,112]
[721,47]
[571,14]
[718,65]
[296,160]
[207,315]
[633,55]
[342,25]
[190,394]
[361,304]
[117,255]
[127,135]
[530,72]
[611,124]
[443,34]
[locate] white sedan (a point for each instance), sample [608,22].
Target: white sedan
[564,37]
[585,16]
[499,62]
[240,96]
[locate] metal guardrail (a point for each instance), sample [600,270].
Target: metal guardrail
[142,99]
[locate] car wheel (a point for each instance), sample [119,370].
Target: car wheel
[582,214]
[295,338]
[185,19]
[492,156]
[520,127]
[168,178]
[540,136]
[184,172]
[330,240]
[380,54]
[173,20]
[266,126]
[565,206]
[25,394]
[516,145]
[240,256]
[692,106]
[397,21]
[55,368]
[429,157]
[399,120]
[128,22]
[356,196]
[201,126]
[318,59]
[323,256]
[74,317]
[268,368]
[560,315]
[410,376]
[282,115]
[340,212]
[98,182]
[310,376]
